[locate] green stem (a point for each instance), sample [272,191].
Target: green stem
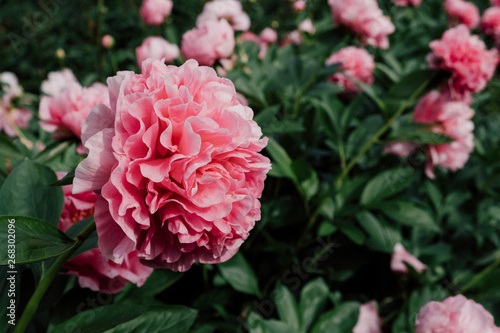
[480,276]
[46,280]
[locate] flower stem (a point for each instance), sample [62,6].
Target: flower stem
[46,280]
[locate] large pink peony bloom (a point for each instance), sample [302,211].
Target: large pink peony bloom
[462,12]
[400,256]
[357,64]
[230,10]
[156,48]
[405,3]
[65,111]
[176,160]
[368,320]
[490,22]
[93,270]
[365,18]
[450,118]
[154,12]
[209,41]
[467,58]
[10,115]
[455,314]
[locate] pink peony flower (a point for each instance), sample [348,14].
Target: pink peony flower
[249,36]
[156,48]
[356,63]
[405,3]
[299,5]
[467,58]
[268,35]
[107,41]
[456,314]
[401,149]
[58,81]
[12,117]
[490,22]
[176,159]
[93,270]
[209,41]
[65,112]
[400,256]
[495,2]
[307,26]
[450,118]
[230,10]
[368,320]
[462,12]
[365,18]
[154,12]
[293,37]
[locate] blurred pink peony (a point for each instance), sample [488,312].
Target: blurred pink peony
[154,12]
[93,270]
[405,3]
[450,118]
[365,18]
[467,58]
[293,37]
[490,22]
[401,149]
[299,5]
[230,10]
[208,42]
[177,163]
[65,112]
[462,12]
[456,314]
[495,2]
[368,320]
[12,117]
[58,81]
[249,36]
[400,256]
[156,48]
[307,26]
[268,35]
[107,41]
[356,63]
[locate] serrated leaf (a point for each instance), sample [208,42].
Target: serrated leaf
[35,239]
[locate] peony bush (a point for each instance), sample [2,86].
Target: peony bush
[250,166]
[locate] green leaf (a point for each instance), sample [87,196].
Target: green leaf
[286,306]
[157,282]
[368,90]
[25,192]
[66,180]
[354,233]
[34,239]
[159,319]
[89,243]
[9,150]
[408,214]
[386,184]
[280,158]
[100,319]
[408,84]
[341,319]
[238,273]
[382,237]
[312,300]
[418,133]
[306,178]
